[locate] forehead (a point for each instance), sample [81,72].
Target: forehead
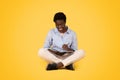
[59,21]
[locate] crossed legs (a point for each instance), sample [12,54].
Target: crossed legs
[51,58]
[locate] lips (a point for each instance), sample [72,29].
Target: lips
[60,28]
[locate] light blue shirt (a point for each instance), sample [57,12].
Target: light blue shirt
[55,40]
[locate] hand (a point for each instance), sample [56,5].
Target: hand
[65,47]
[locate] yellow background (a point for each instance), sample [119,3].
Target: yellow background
[24,25]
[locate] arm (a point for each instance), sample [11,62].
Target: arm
[48,41]
[73,46]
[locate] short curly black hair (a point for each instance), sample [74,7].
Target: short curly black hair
[59,16]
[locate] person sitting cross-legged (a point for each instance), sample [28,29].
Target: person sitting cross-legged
[60,47]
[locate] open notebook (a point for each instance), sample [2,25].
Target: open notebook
[56,50]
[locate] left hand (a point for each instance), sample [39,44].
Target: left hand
[65,47]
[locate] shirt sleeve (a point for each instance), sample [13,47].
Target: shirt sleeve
[48,41]
[74,44]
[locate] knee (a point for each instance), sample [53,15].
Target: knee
[81,52]
[41,51]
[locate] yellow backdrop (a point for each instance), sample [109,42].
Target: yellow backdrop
[24,25]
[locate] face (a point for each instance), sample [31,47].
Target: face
[60,24]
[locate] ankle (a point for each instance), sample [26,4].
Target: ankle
[59,65]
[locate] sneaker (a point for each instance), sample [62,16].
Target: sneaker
[70,67]
[52,66]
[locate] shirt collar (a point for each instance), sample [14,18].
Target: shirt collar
[68,30]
